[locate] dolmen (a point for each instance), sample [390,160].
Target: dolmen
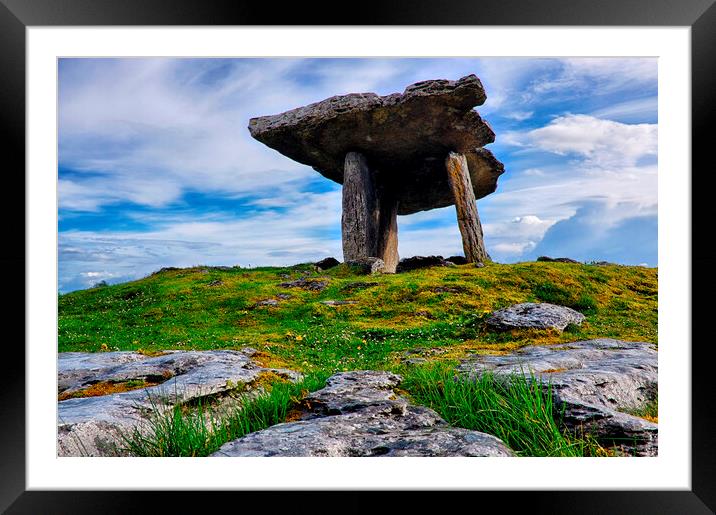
[395,155]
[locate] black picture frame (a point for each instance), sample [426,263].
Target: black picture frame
[17,15]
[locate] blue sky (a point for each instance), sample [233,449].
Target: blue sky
[157,167]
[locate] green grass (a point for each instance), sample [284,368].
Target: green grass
[203,428]
[180,309]
[578,300]
[516,410]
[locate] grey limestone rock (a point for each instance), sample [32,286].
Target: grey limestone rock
[557,260]
[306,284]
[325,264]
[369,265]
[89,425]
[338,302]
[418,262]
[457,260]
[531,315]
[359,414]
[594,381]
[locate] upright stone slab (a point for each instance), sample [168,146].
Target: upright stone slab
[360,209]
[369,222]
[466,207]
[387,237]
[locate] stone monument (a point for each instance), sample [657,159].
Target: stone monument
[395,155]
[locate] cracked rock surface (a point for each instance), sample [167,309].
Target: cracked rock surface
[87,426]
[593,380]
[530,315]
[359,414]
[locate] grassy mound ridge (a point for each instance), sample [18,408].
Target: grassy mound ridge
[436,308]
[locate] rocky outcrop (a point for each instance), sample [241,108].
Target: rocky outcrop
[91,426]
[594,381]
[338,302]
[404,137]
[326,263]
[418,262]
[359,414]
[457,260]
[356,286]
[603,263]
[556,260]
[268,302]
[530,315]
[366,266]
[306,284]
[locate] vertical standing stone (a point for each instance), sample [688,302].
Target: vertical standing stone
[387,243]
[360,209]
[467,218]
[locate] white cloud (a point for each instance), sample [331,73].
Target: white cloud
[601,142]
[528,220]
[621,232]
[556,199]
[506,239]
[512,249]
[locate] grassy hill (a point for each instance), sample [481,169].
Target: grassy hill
[438,308]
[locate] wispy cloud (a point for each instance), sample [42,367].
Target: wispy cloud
[149,129]
[638,109]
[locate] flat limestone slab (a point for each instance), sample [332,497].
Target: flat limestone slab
[359,414]
[87,426]
[405,138]
[594,379]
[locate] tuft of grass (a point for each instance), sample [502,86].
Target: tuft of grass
[203,428]
[516,410]
[578,300]
[649,411]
